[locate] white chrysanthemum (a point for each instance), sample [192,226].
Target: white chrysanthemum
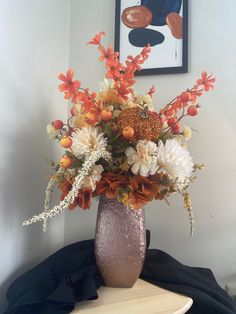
[106,85]
[143,159]
[51,131]
[176,161]
[95,176]
[87,140]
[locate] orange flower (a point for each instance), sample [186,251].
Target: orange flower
[134,63]
[109,184]
[108,54]
[110,97]
[152,90]
[97,39]
[143,190]
[83,198]
[69,87]
[206,81]
[91,112]
[65,187]
[145,52]
[124,89]
[123,76]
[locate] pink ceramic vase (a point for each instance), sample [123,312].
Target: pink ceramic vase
[120,243]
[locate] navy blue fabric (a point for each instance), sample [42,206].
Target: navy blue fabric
[71,275]
[53,286]
[198,283]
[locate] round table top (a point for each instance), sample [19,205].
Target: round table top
[142,298]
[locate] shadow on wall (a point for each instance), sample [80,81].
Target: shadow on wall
[23,175]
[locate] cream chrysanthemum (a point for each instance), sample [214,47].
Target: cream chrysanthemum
[176,161]
[144,100]
[95,176]
[143,160]
[51,131]
[87,140]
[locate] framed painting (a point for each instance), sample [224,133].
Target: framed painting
[161,23]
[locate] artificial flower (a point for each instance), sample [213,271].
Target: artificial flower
[108,54]
[123,197]
[110,96]
[65,187]
[91,110]
[97,39]
[80,120]
[187,133]
[121,148]
[152,90]
[176,161]
[206,81]
[109,184]
[143,159]
[142,191]
[52,132]
[85,198]
[105,85]
[130,104]
[95,176]
[144,100]
[116,113]
[69,87]
[87,140]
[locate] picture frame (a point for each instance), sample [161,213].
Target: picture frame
[169,55]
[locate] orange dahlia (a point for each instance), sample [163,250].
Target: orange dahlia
[83,199]
[109,184]
[142,190]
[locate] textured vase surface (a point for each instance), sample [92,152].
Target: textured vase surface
[120,243]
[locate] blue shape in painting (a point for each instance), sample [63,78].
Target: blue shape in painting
[141,37]
[161,8]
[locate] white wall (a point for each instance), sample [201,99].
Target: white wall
[212,47]
[34,48]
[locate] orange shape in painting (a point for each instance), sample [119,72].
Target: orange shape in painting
[137,16]
[175,23]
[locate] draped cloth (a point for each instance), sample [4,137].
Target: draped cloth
[70,276]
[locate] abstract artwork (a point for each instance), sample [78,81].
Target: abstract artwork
[163,24]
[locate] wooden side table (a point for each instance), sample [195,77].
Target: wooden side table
[143,298]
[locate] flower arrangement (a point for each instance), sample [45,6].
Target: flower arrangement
[117,145]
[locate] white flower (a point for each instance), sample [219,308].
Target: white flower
[116,113]
[187,133]
[143,159]
[145,100]
[51,131]
[176,161]
[105,85]
[95,176]
[87,140]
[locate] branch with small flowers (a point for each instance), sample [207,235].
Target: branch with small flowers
[116,144]
[69,199]
[188,206]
